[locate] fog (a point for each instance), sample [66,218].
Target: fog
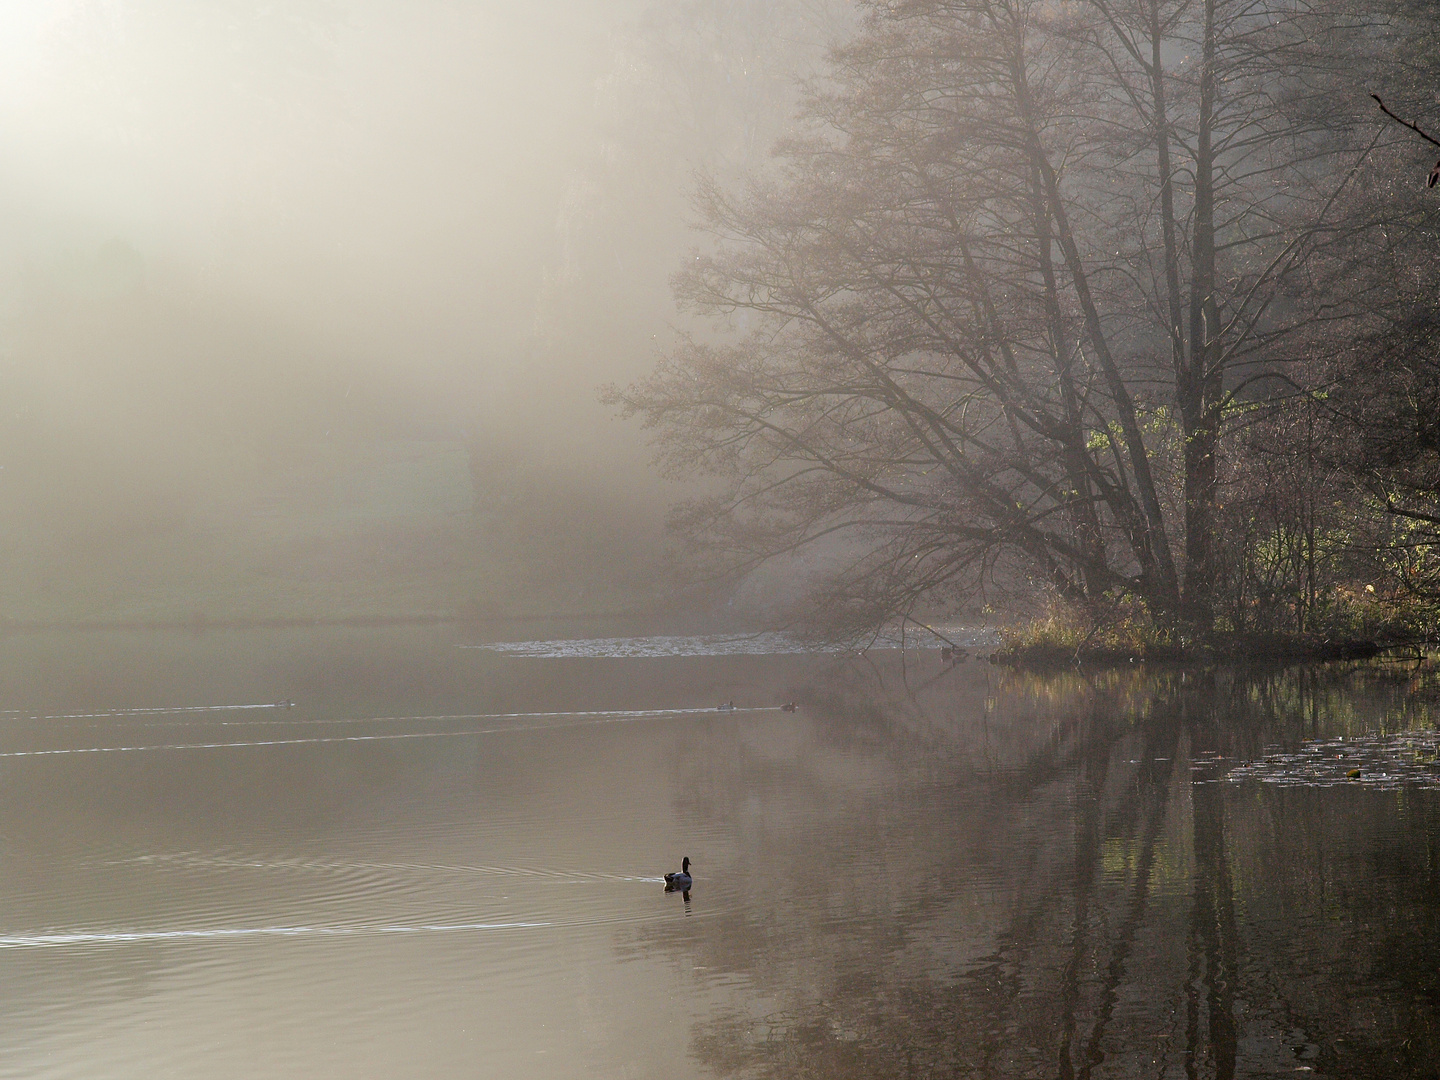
[305,305]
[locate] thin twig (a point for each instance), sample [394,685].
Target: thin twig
[1406,123]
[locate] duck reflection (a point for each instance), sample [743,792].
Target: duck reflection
[684,895]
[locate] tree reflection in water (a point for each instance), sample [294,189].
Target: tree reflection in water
[1101,900]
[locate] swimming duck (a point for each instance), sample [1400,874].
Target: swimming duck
[682,880]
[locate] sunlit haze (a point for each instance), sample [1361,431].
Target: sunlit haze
[252,252]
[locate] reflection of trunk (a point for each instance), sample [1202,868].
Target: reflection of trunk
[1088,839]
[999,1005]
[1153,778]
[1212,934]
[1005,979]
[1152,790]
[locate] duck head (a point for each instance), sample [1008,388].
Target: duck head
[685,865]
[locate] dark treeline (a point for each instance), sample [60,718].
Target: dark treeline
[1129,304]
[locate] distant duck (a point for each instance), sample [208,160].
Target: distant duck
[726,706]
[789,706]
[681,881]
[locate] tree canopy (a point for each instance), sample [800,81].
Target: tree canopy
[1025,271]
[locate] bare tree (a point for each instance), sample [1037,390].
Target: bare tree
[997,309]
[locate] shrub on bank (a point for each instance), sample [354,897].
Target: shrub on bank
[1351,624]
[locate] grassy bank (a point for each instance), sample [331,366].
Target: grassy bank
[1067,638]
[1219,648]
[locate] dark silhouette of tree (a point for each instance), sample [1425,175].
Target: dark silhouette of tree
[998,309]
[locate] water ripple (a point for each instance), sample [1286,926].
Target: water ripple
[108,937]
[589,718]
[151,710]
[197,861]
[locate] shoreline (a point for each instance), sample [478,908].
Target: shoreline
[1219,649]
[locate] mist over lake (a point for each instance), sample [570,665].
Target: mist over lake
[376,851]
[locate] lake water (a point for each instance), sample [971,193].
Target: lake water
[441,860]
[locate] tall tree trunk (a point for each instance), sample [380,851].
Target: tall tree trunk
[1200,381]
[1157,569]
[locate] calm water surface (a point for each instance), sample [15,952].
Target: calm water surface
[443,860]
